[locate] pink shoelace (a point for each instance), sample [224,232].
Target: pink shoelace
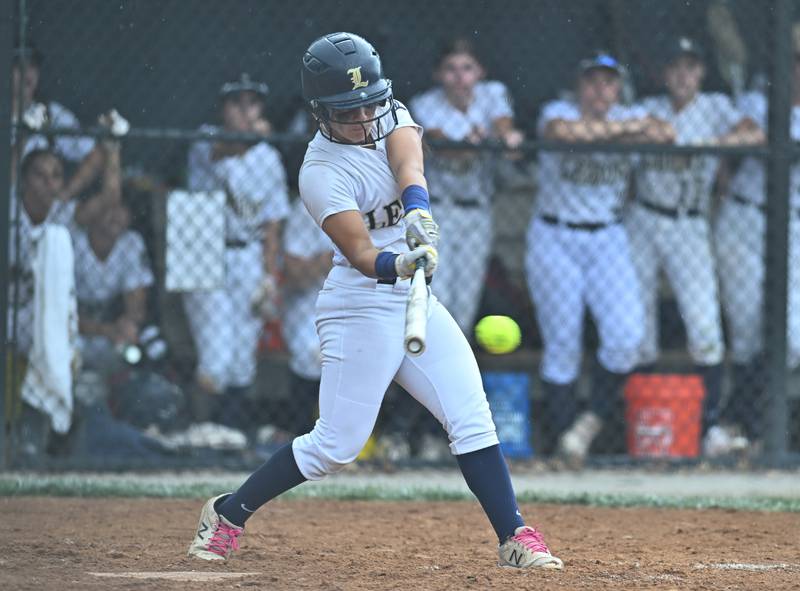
[224,539]
[532,539]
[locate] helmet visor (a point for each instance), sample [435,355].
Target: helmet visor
[361,125]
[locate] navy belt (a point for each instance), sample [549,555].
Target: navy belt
[237,243]
[674,213]
[748,202]
[586,226]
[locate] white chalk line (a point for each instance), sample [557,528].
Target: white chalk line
[174,575]
[748,567]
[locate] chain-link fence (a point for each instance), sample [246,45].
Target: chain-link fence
[604,173]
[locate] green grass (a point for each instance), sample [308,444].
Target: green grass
[73,486]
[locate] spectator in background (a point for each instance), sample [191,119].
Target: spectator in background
[41,185]
[740,241]
[112,275]
[668,222]
[463,107]
[578,253]
[35,205]
[224,323]
[307,260]
[38,113]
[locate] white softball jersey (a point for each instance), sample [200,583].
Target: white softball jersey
[678,180]
[462,179]
[98,282]
[750,180]
[339,177]
[461,192]
[224,328]
[361,323]
[739,233]
[72,148]
[583,187]
[255,183]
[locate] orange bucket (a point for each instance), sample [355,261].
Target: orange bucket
[663,414]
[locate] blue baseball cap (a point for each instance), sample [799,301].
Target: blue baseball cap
[600,60]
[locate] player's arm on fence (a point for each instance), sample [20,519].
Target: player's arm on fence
[505,130]
[643,129]
[745,133]
[111,189]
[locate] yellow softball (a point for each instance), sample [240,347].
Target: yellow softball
[498,334]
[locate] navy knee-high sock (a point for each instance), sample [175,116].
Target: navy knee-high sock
[487,476]
[277,475]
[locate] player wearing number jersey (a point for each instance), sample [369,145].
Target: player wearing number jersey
[668,221]
[224,322]
[362,182]
[578,254]
[740,240]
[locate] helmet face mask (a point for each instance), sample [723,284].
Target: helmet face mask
[342,72]
[338,128]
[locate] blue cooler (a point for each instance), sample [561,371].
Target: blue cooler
[508,395]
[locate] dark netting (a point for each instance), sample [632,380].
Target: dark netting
[598,171]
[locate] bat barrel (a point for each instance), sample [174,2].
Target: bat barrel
[416,313]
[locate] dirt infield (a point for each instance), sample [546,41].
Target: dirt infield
[69,543]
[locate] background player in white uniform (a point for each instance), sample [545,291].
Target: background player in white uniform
[112,275]
[668,221]
[81,151]
[347,184]
[307,259]
[224,324]
[740,241]
[40,190]
[578,254]
[463,107]
[36,204]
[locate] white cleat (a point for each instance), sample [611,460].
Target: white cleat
[721,441]
[527,549]
[216,537]
[575,442]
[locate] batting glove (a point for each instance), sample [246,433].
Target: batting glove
[421,229]
[405,264]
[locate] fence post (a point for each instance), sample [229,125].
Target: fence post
[777,233]
[7,50]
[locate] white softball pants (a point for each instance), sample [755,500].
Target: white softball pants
[682,248]
[464,248]
[739,233]
[224,329]
[569,270]
[361,327]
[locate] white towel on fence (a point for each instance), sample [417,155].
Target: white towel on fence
[48,380]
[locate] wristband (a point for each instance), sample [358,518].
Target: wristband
[384,265]
[415,197]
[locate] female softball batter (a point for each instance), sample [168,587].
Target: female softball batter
[362,181]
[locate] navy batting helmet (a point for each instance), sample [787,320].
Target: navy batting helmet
[342,71]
